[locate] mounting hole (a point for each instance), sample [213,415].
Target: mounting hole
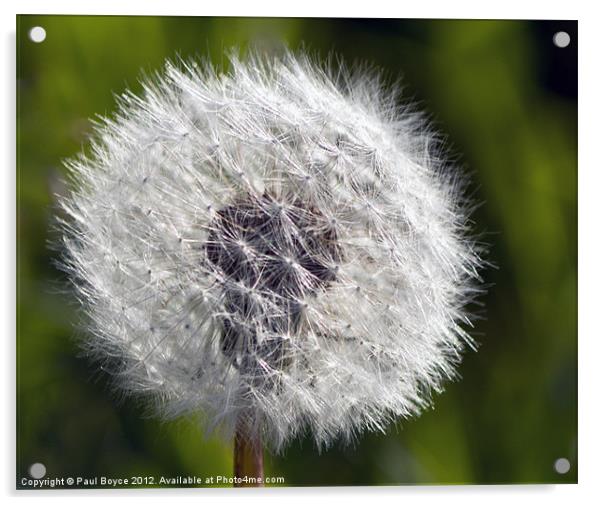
[562,465]
[37,470]
[37,34]
[561,39]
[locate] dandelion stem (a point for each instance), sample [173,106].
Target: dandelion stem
[248,456]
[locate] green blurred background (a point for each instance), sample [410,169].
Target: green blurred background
[506,98]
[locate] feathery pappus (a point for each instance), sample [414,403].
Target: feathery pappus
[282,243]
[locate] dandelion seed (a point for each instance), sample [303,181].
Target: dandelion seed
[281,249]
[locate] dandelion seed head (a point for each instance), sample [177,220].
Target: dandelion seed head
[283,243]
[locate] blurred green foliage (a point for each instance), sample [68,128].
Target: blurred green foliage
[506,98]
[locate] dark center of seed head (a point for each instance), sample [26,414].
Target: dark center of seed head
[272,256]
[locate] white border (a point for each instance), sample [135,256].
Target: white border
[590,244]
[509,9]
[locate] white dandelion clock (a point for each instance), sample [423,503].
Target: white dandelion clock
[280,248]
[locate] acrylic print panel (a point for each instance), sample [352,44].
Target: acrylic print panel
[296,252]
